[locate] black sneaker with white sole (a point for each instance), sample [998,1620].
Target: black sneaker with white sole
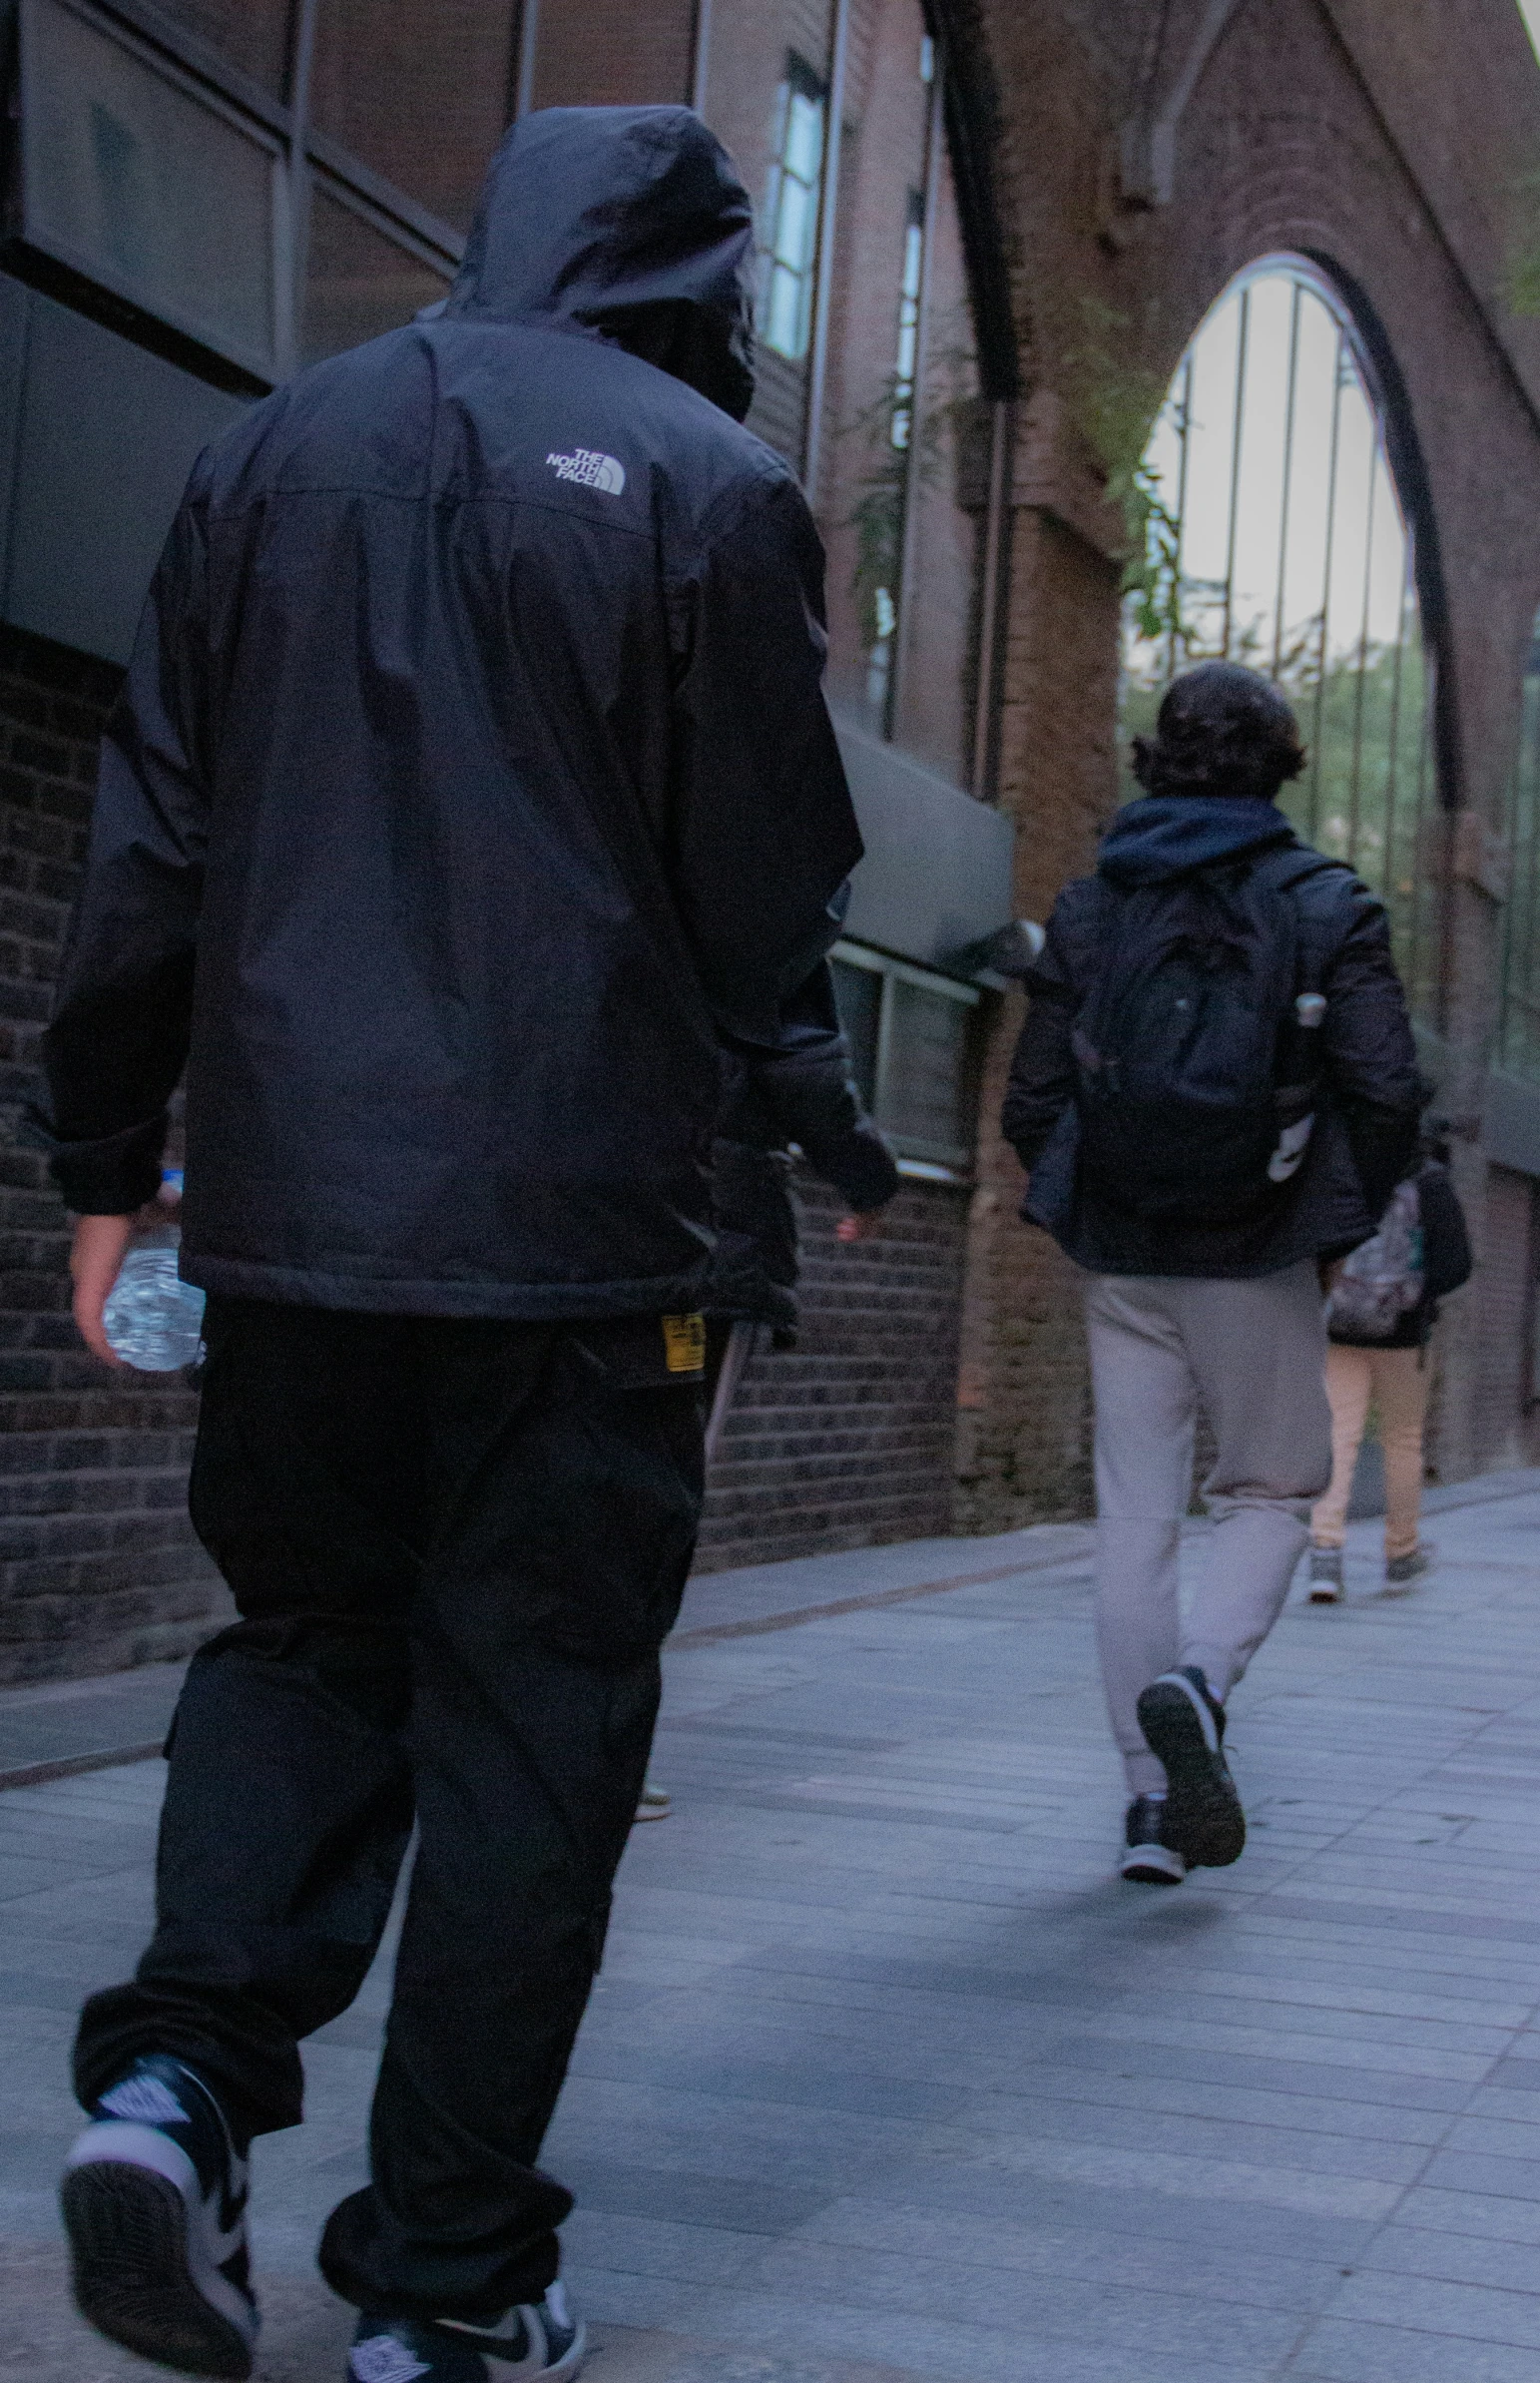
[154,2200]
[1184,1726]
[545,2340]
[1147,1857]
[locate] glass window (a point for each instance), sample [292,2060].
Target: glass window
[420,94]
[253,34]
[910,1048]
[908,322]
[140,183]
[791,224]
[923,1104]
[859,996]
[361,282]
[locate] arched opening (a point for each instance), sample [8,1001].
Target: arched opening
[1274,534]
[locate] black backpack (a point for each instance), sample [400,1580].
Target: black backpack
[1196,1046]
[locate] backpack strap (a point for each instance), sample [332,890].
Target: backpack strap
[1316,887]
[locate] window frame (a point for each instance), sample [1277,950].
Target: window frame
[301,154]
[177,77]
[798,80]
[937,1162]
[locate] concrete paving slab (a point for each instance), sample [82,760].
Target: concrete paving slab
[887,2073]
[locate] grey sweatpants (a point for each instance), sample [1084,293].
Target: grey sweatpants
[1251,1354]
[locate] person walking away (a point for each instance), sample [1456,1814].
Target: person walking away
[472,788]
[1380,1316]
[1213,1094]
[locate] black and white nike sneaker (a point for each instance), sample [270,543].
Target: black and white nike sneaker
[1147,1858]
[154,2199]
[1184,1726]
[547,2341]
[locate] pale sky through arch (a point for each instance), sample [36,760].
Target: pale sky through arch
[1529,10]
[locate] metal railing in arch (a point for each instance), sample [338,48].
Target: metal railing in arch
[1272,535]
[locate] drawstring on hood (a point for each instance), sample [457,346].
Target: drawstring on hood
[1164,836]
[627,221]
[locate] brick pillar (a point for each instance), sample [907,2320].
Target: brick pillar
[1023,1452]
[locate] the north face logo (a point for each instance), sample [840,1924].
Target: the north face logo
[589,469]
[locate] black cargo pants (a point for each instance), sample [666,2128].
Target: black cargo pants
[457,1546]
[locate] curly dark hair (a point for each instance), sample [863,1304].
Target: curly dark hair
[1221,729]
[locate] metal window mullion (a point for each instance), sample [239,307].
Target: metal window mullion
[1393,778]
[1325,589]
[1183,456]
[699,55]
[882,1063]
[1242,343]
[824,292]
[1294,310]
[1355,780]
[299,177]
[528,50]
[909,525]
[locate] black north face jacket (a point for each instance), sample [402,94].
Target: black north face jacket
[473,784]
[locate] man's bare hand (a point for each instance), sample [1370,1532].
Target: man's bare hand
[862,1224]
[100,1244]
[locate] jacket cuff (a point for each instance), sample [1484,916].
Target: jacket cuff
[111,1177]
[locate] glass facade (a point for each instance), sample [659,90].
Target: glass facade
[421,96]
[138,179]
[1274,536]
[251,35]
[165,164]
[359,282]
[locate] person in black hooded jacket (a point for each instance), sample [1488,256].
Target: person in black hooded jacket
[1212,1300]
[471,800]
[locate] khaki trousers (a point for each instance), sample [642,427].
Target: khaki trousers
[1250,1353]
[1398,1382]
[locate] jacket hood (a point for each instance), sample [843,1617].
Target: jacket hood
[626,220]
[1164,836]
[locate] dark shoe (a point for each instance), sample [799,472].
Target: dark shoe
[154,2200]
[547,2341]
[1147,1857]
[1184,1726]
[1327,1585]
[1401,1568]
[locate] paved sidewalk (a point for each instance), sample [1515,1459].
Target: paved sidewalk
[890,2077]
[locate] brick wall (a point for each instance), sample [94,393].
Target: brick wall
[846,1440]
[98,1564]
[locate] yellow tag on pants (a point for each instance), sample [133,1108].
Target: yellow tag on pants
[684,1344]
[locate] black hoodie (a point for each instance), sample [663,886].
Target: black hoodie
[1371,1091]
[472,779]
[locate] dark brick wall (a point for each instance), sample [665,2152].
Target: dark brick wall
[98,1564]
[846,1440]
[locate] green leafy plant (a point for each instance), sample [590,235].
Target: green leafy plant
[1116,405]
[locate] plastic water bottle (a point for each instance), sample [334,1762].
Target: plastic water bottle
[154,1319]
